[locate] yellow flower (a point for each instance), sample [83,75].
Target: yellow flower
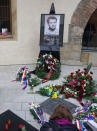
[51,86]
[49,90]
[33,91]
[54,95]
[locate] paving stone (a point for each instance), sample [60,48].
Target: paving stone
[25,106]
[21,114]
[29,116]
[35,124]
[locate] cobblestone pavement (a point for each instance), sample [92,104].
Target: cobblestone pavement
[17,100]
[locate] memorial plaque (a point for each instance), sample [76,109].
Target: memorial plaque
[49,105]
[51,33]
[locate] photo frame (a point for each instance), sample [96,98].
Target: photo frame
[51,31]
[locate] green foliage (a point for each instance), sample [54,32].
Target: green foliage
[88,68]
[23,128]
[20,76]
[34,114]
[34,82]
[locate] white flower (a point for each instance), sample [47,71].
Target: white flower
[49,67]
[78,83]
[87,82]
[83,74]
[50,56]
[55,60]
[75,93]
[94,105]
[46,62]
[84,85]
[44,55]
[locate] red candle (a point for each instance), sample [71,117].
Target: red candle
[9,122]
[6,127]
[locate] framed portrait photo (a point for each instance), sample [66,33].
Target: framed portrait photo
[51,31]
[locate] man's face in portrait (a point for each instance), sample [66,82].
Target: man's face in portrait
[52,22]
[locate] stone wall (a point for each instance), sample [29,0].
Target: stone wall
[72,51]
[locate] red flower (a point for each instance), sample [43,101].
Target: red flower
[58,87]
[88,76]
[85,73]
[72,87]
[45,58]
[75,77]
[52,59]
[82,82]
[91,78]
[38,69]
[78,70]
[91,72]
[72,95]
[85,69]
[67,95]
[72,74]
[79,74]
[76,84]
[93,94]
[20,126]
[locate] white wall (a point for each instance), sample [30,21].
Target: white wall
[26,48]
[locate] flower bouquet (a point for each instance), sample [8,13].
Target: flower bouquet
[86,113]
[37,113]
[24,76]
[80,84]
[86,116]
[45,63]
[49,90]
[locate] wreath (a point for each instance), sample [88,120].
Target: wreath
[45,63]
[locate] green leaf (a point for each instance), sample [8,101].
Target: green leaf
[88,67]
[63,97]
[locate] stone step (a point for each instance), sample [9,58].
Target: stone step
[72,62]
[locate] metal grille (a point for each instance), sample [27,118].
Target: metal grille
[5,15]
[90,36]
[89,41]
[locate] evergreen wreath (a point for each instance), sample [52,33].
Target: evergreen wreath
[45,63]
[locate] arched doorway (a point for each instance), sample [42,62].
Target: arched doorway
[82,22]
[89,40]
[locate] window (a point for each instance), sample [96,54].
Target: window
[5,27]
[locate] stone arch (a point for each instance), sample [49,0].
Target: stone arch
[79,20]
[73,53]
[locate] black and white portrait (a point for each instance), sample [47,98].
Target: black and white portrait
[51,32]
[52,23]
